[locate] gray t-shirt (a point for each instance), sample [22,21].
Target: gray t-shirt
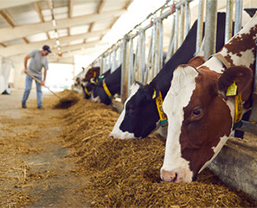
[37,61]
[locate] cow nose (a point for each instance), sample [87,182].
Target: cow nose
[168,176]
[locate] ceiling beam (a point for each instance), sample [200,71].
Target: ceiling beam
[3,45]
[101,6]
[26,48]
[70,8]
[7,18]
[39,11]
[26,40]
[128,4]
[31,29]
[11,3]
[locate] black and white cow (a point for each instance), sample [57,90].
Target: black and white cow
[89,86]
[106,88]
[140,115]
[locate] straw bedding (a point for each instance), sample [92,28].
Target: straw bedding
[125,173]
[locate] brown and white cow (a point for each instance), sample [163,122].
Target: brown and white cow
[199,110]
[93,72]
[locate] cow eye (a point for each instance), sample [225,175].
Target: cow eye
[130,109]
[197,113]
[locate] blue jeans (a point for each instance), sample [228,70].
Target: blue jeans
[28,84]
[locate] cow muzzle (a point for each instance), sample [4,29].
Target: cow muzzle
[96,100]
[177,175]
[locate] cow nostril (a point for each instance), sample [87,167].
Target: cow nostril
[111,137]
[175,177]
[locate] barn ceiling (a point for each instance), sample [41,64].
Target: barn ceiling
[68,26]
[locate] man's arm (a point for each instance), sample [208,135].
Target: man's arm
[25,63]
[44,79]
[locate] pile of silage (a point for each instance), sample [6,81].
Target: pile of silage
[66,99]
[125,173]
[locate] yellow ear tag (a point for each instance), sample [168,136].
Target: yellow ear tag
[231,91]
[154,94]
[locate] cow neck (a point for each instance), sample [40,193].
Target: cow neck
[231,91]
[107,91]
[86,90]
[159,102]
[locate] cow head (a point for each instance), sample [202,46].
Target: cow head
[139,116]
[99,95]
[92,73]
[200,117]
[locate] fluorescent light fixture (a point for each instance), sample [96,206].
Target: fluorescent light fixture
[54,22]
[56,35]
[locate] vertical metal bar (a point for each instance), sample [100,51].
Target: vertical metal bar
[149,59]
[137,64]
[143,67]
[124,72]
[153,50]
[238,16]
[182,24]
[160,45]
[131,64]
[176,29]
[253,116]
[120,53]
[110,61]
[229,20]
[102,64]
[188,19]
[199,26]
[169,53]
[210,28]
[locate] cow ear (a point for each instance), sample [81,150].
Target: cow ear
[196,61]
[239,77]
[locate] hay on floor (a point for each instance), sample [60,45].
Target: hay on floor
[125,173]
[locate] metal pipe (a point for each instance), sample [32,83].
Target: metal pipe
[169,53]
[160,45]
[188,19]
[131,65]
[253,116]
[176,29]
[124,73]
[182,26]
[210,28]
[143,67]
[238,16]
[199,36]
[229,20]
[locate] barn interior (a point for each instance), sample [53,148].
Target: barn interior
[61,155]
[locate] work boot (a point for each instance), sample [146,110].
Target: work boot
[23,105]
[40,107]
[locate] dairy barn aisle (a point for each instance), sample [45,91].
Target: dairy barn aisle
[34,167]
[64,158]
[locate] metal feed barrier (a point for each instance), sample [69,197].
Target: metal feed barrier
[137,65]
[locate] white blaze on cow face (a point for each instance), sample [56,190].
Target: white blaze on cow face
[175,168]
[117,133]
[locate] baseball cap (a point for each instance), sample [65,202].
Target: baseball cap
[47,48]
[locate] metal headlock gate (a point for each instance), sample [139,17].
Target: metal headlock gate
[143,67]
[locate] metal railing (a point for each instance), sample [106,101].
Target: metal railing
[130,51]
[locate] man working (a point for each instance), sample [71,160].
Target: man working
[39,59]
